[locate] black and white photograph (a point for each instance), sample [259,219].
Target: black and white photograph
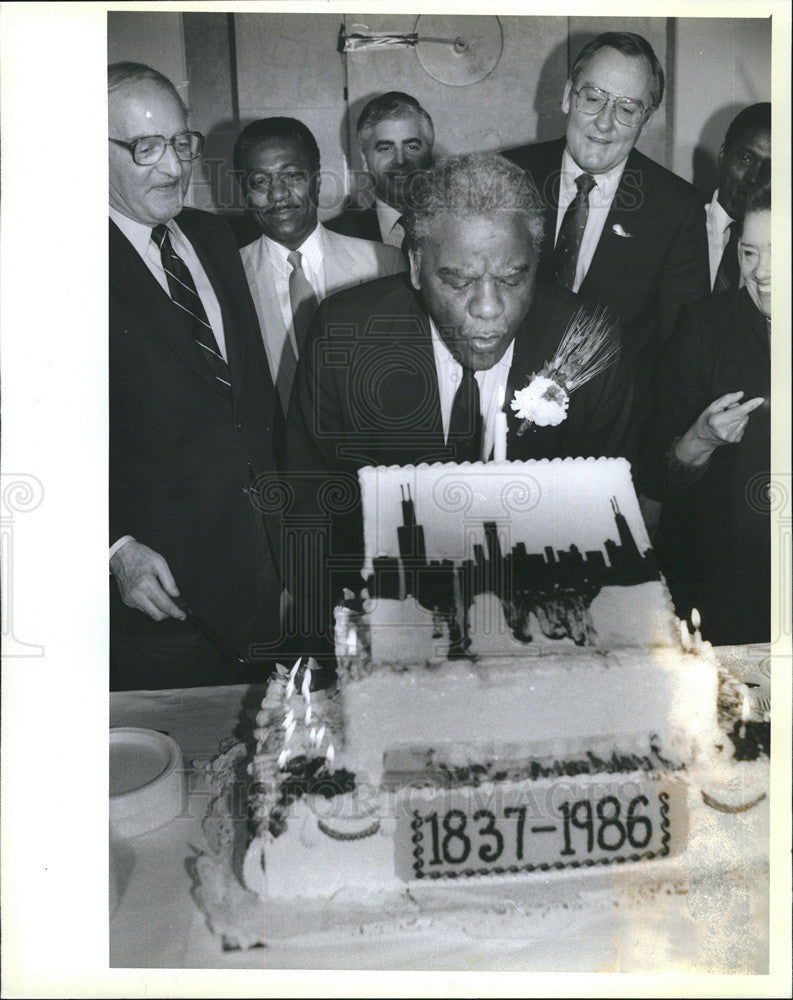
[396,516]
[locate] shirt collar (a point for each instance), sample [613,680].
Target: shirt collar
[718,217]
[138,234]
[387,216]
[310,250]
[606,183]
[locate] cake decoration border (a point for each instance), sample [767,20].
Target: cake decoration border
[418,851]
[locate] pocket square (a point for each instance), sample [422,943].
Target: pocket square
[619,231]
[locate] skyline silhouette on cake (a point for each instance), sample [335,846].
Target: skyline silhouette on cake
[555,586]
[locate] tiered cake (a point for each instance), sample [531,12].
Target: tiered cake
[516,704]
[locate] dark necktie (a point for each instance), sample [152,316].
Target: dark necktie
[184,295]
[302,299]
[727,274]
[571,232]
[465,423]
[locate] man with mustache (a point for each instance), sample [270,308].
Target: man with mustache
[296,262]
[744,165]
[396,137]
[401,371]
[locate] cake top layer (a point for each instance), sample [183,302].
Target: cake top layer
[501,555]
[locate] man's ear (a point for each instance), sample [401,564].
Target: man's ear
[568,89]
[414,256]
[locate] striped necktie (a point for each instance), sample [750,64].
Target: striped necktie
[184,295]
[571,233]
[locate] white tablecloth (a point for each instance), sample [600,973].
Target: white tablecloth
[718,925]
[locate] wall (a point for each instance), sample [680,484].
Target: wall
[153,38]
[721,65]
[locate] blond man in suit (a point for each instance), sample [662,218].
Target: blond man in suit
[296,262]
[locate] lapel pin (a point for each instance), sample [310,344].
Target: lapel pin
[619,231]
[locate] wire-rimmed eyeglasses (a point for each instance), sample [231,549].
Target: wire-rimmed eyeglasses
[591,101]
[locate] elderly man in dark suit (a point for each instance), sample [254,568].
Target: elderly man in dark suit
[620,229]
[402,371]
[191,411]
[396,136]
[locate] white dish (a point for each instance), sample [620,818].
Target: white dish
[146,781]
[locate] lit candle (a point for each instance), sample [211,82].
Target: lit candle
[283,757]
[306,688]
[500,439]
[696,621]
[746,711]
[685,636]
[330,756]
[308,715]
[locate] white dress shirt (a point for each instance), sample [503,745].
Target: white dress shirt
[388,219]
[600,198]
[140,237]
[717,223]
[310,251]
[450,374]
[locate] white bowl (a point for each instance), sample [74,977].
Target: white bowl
[146,781]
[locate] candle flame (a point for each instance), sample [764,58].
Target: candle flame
[283,757]
[696,621]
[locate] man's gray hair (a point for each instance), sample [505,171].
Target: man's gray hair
[121,74]
[481,184]
[394,104]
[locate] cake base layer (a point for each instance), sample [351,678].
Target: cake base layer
[317,886]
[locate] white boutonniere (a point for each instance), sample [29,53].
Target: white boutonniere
[589,346]
[619,231]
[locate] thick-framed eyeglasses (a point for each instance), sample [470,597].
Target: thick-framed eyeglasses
[150,149]
[591,101]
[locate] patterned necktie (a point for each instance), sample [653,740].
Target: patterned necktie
[465,423]
[302,299]
[571,232]
[184,295]
[727,274]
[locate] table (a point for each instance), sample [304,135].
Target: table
[717,924]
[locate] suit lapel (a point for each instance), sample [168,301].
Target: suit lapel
[413,388]
[339,265]
[626,218]
[130,276]
[265,300]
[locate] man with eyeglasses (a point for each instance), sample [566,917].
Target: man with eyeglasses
[191,413]
[620,229]
[296,262]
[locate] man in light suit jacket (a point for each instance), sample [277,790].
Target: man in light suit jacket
[191,412]
[635,240]
[396,136]
[408,370]
[296,262]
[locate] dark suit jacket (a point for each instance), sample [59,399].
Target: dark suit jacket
[355,221]
[644,277]
[714,541]
[182,457]
[366,393]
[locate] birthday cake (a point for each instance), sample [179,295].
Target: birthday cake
[516,707]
